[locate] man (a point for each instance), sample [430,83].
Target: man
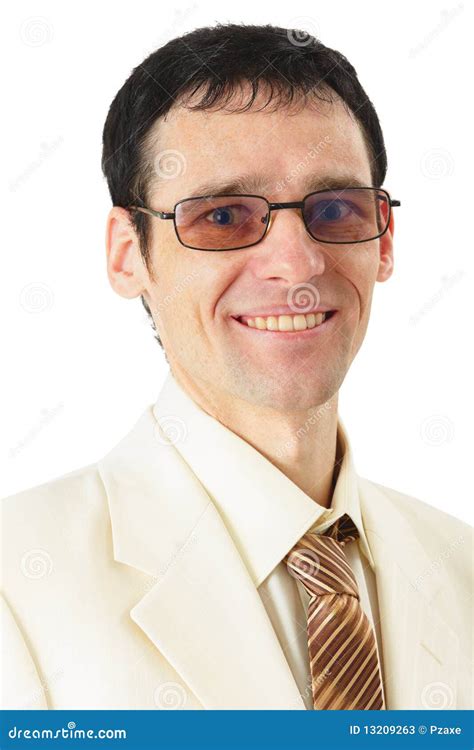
[225,554]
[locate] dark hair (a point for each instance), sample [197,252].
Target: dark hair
[210,64]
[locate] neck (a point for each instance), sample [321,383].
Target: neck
[302,444]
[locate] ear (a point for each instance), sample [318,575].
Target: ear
[385,269]
[125,268]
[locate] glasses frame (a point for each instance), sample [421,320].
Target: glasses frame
[165,215]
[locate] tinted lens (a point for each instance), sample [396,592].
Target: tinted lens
[349,215]
[221,223]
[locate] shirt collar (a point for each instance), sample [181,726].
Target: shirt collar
[264,511]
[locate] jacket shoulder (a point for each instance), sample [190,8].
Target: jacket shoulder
[62,509]
[417,511]
[446,539]
[79,486]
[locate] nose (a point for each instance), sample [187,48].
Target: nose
[288,251]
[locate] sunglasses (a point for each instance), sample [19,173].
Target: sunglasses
[233,222]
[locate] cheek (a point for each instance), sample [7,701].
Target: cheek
[362,274]
[184,302]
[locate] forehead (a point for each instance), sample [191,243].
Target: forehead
[282,147]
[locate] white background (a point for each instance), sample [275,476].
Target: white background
[80,364]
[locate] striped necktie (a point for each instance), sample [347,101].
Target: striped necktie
[345,672]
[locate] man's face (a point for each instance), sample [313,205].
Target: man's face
[196,296]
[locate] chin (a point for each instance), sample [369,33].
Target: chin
[285,397]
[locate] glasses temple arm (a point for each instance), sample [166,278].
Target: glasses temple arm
[152,212]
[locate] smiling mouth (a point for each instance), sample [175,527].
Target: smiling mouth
[297,323]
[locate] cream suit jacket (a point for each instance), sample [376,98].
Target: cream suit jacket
[122,589]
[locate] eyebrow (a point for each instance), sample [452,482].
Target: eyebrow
[251,183]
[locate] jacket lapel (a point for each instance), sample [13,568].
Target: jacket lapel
[202,609]
[420,650]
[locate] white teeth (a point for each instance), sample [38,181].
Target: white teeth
[286,322]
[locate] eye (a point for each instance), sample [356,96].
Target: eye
[226,215]
[330,210]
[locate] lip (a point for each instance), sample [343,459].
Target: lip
[293,335]
[283,310]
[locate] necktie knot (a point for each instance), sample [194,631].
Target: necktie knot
[320,563]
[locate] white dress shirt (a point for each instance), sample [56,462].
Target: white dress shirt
[266,514]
